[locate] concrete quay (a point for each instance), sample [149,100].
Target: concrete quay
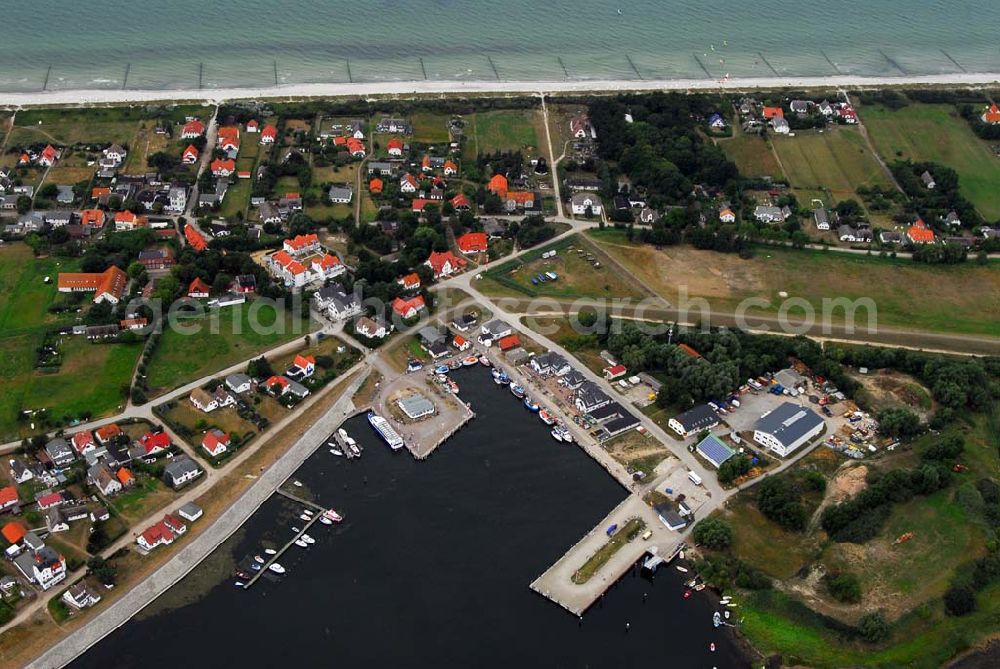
[557,585]
[196,550]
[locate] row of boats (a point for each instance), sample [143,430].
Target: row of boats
[559,431]
[342,444]
[248,570]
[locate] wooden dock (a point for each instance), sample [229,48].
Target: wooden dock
[281,551]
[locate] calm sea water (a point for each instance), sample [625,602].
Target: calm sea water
[187,43]
[430,569]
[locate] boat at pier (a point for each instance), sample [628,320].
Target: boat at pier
[301,544]
[336,451]
[517,391]
[330,514]
[484,361]
[454,364]
[556,434]
[270,551]
[325,520]
[470,361]
[453,387]
[441,369]
[529,404]
[276,568]
[308,539]
[546,417]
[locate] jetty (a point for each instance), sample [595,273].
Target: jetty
[421,453]
[281,551]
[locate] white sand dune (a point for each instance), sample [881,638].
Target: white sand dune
[406,88]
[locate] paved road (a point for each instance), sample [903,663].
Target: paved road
[207,541]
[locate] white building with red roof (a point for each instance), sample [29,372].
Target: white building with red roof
[444,263]
[216,442]
[193,129]
[268,134]
[162,533]
[408,308]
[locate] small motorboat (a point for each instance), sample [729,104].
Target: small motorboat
[726,614]
[332,515]
[336,451]
[297,484]
[454,364]
[270,551]
[276,568]
[681,569]
[546,417]
[258,559]
[325,520]
[296,530]
[470,361]
[711,647]
[305,517]
[343,433]
[256,567]
[556,434]
[349,441]
[529,404]
[517,391]
[503,379]
[308,512]
[355,451]
[699,587]
[238,584]
[725,600]
[484,361]
[687,593]
[308,539]
[301,544]
[453,387]
[441,369]
[716,619]
[681,555]
[567,436]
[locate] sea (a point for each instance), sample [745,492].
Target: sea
[187,44]
[430,568]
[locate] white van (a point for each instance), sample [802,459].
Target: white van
[695,479]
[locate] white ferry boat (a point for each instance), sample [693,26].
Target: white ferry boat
[385,431]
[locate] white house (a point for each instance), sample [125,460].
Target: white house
[787,427]
[203,400]
[582,202]
[694,420]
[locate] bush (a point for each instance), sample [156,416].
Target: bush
[873,627]
[778,500]
[844,587]
[960,600]
[733,468]
[815,481]
[713,532]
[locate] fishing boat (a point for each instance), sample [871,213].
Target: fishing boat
[484,361]
[546,417]
[258,559]
[301,544]
[503,379]
[381,425]
[276,568]
[441,369]
[270,551]
[454,364]
[332,515]
[556,434]
[470,361]
[681,569]
[308,539]
[453,387]
[529,404]
[517,391]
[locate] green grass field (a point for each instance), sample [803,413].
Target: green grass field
[429,127]
[937,133]
[181,358]
[836,160]
[752,155]
[237,198]
[24,295]
[503,130]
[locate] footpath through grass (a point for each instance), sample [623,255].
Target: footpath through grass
[624,535]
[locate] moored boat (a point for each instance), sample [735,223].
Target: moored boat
[304,517]
[308,539]
[484,361]
[441,369]
[556,434]
[332,515]
[325,520]
[270,551]
[453,387]
[301,544]
[454,364]
[517,391]
[258,559]
[470,361]
[276,568]
[529,404]
[389,435]
[546,417]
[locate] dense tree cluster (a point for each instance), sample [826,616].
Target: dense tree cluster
[779,501]
[713,532]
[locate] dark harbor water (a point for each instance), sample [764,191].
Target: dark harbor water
[429,569]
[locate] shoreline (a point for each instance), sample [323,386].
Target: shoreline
[407,88]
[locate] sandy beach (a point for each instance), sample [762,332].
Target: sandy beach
[406,88]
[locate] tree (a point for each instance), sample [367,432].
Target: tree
[23,204]
[733,468]
[960,600]
[844,587]
[713,532]
[899,422]
[777,499]
[873,627]
[102,571]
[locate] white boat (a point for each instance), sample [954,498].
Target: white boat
[308,512]
[342,432]
[716,619]
[349,441]
[325,520]
[727,614]
[681,555]
[381,425]
[238,584]
[276,568]
[304,517]
[681,569]
[296,530]
[255,566]
[336,451]
[355,451]
[308,539]
[297,484]
[556,434]
[483,360]
[301,544]
[258,559]
[270,551]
